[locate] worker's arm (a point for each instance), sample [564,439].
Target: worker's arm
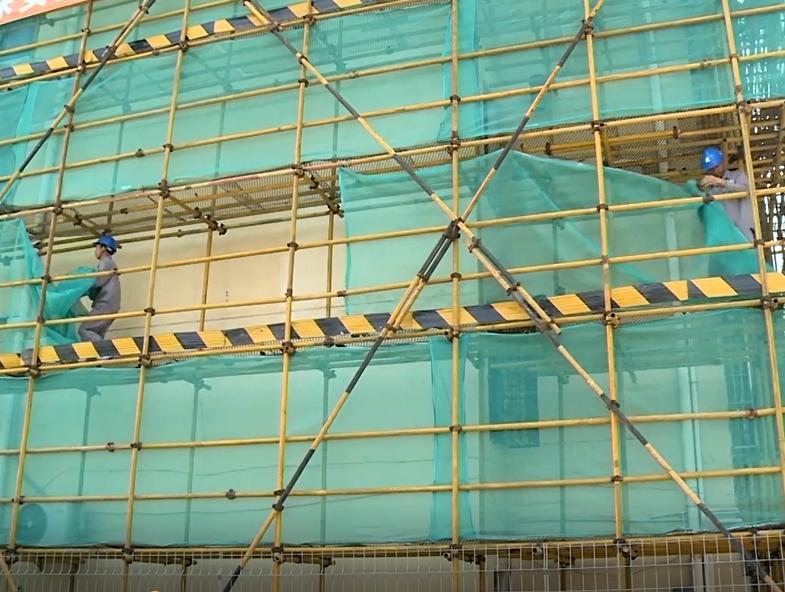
[102,280]
[740,183]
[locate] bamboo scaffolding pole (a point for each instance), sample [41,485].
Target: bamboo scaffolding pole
[557,148]
[623,573]
[543,322]
[388,287]
[653,418]
[361,160]
[18,497]
[455,336]
[537,217]
[542,216]
[409,489]
[7,575]
[437,104]
[103,29]
[407,336]
[324,122]
[141,11]
[328,287]
[405,303]
[291,257]
[386,6]
[760,239]
[430,149]
[217,210]
[777,163]
[584,548]
[208,252]
[144,358]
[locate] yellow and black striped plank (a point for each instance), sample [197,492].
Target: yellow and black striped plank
[237,24]
[558,306]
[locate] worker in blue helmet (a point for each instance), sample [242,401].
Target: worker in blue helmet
[105,293]
[718,179]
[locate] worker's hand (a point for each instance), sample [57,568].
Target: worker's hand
[712,181]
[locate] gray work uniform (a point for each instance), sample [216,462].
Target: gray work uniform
[105,295]
[738,210]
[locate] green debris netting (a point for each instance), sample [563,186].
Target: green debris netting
[19,304]
[687,364]
[527,185]
[256,129]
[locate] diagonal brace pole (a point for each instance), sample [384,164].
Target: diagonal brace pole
[468,236]
[586,27]
[393,324]
[542,321]
[142,10]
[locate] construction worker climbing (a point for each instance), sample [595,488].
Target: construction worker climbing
[720,180]
[105,293]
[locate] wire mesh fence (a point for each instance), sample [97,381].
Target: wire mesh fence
[678,563]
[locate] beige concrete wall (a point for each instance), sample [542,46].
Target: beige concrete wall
[243,279]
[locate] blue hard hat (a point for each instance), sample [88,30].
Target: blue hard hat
[108,241]
[712,157]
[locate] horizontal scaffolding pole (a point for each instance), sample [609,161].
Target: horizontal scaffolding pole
[747,414]
[408,336]
[689,544]
[378,113]
[522,219]
[362,160]
[643,28]
[468,277]
[404,489]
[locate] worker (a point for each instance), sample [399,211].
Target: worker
[105,293]
[718,179]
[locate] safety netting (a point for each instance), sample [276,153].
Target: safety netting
[237,107]
[20,299]
[528,185]
[364,489]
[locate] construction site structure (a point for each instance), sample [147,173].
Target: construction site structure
[416,295]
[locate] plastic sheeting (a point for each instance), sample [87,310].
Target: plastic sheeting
[19,304]
[687,364]
[527,185]
[255,131]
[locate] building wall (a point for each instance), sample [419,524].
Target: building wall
[250,278]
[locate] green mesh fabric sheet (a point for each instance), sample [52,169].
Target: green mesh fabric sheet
[19,304]
[703,362]
[255,130]
[526,185]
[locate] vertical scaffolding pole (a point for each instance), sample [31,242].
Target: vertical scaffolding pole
[624,579]
[68,108]
[543,322]
[208,252]
[455,414]
[39,321]
[288,350]
[759,238]
[328,307]
[144,358]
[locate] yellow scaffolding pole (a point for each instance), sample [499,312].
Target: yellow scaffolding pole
[760,240]
[144,358]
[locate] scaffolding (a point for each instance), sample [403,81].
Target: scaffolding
[662,139]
